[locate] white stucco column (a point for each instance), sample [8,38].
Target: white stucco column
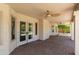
[5,29]
[41,29]
[72,30]
[76,13]
[44,29]
[56,29]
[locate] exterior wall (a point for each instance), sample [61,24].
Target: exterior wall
[76,13]
[6,44]
[20,17]
[5,29]
[13,43]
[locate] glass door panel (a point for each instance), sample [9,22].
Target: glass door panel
[22,31]
[30,30]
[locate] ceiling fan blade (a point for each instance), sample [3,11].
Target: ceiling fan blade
[45,15]
[55,15]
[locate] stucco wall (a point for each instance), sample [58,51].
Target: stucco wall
[6,44]
[76,13]
[13,43]
[5,29]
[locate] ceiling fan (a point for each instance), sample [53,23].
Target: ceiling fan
[48,13]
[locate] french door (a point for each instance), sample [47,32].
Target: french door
[26,32]
[23,32]
[30,31]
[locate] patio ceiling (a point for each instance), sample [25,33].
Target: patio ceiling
[37,10]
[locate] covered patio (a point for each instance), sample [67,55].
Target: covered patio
[39,29]
[55,45]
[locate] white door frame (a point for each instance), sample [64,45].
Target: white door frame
[35,37]
[30,40]
[25,41]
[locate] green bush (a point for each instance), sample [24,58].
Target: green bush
[65,28]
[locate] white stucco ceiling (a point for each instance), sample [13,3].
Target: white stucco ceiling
[36,9]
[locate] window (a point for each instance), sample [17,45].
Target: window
[30,27]
[13,27]
[36,28]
